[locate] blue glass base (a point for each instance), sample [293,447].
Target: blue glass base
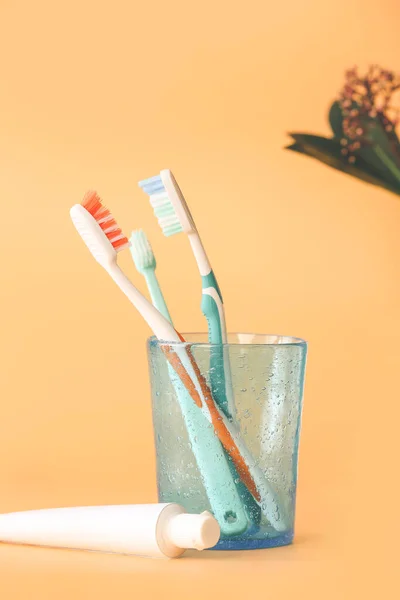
[253,543]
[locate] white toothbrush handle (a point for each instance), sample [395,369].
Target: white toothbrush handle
[160,326]
[165,331]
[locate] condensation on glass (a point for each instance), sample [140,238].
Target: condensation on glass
[266,379]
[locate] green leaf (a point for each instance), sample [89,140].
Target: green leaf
[336,120]
[377,138]
[328,151]
[376,135]
[330,145]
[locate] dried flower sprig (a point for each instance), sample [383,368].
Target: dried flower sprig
[364,121]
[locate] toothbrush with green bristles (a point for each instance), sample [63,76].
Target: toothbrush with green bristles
[145,263]
[214,466]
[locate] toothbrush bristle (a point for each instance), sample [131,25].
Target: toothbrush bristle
[152,185]
[93,204]
[142,252]
[162,206]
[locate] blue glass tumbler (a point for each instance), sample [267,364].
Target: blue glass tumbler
[266,378]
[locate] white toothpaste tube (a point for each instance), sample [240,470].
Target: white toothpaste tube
[153,530]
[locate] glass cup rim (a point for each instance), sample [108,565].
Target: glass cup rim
[280,340]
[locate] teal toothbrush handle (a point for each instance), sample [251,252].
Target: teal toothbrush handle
[213,310]
[212,462]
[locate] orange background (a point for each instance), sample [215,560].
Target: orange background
[101,94]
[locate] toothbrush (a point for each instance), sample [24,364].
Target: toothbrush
[174,217]
[105,240]
[145,262]
[211,460]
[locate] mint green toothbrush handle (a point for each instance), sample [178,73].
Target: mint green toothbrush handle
[211,459]
[156,294]
[212,463]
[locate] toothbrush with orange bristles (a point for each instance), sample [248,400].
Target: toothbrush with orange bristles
[105,240]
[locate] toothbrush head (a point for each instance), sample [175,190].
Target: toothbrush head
[142,252]
[98,229]
[168,204]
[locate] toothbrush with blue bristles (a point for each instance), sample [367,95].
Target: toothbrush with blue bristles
[174,217]
[211,459]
